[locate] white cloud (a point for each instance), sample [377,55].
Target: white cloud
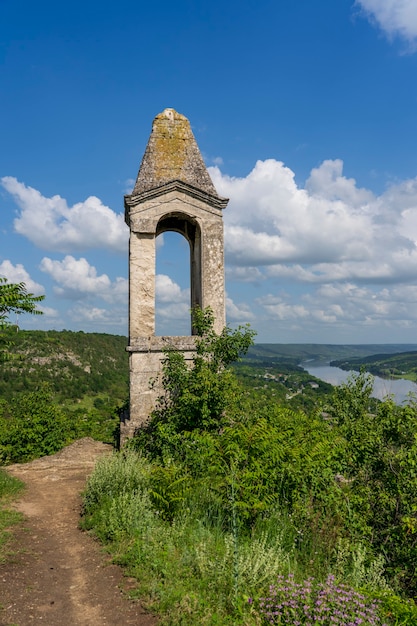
[239,313]
[271,220]
[330,230]
[244,274]
[277,308]
[328,182]
[172,302]
[18,274]
[394,17]
[346,256]
[169,291]
[175,311]
[76,279]
[49,312]
[365,305]
[52,225]
[108,319]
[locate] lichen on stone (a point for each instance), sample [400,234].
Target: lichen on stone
[172,154]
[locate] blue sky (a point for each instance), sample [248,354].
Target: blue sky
[305,113]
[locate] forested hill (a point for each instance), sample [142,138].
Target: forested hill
[300,352]
[403,365]
[75,364]
[78,364]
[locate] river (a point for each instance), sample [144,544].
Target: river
[398,389]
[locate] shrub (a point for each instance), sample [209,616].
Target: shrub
[309,602]
[32,426]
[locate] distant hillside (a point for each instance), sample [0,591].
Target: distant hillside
[79,365]
[299,352]
[75,364]
[402,365]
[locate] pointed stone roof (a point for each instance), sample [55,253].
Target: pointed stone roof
[172,154]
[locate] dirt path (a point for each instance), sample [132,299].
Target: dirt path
[57,575]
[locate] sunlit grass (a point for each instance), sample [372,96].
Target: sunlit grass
[9,488]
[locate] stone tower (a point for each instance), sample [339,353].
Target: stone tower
[173,192]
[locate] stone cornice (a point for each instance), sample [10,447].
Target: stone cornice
[176,185]
[160,344]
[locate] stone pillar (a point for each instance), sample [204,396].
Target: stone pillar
[141,284]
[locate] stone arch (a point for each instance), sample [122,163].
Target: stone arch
[189,227]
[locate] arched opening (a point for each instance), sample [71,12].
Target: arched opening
[178,274]
[172,285]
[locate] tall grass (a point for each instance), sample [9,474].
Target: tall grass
[9,488]
[197,567]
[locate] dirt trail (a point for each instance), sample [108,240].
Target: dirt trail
[57,575]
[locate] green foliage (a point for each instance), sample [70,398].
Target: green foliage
[75,364]
[114,474]
[190,569]
[380,467]
[87,377]
[232,489]
[32,426]
[396,610]
[9,488]
[402,365]
[118,516]
[169,486]
[204,396]
[281,382]
[252,466]
[14,298]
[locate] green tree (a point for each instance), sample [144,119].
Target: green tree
[205,396]
[14,298]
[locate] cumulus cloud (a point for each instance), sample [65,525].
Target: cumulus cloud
[278,308]
[92,317]
[350,302]
[172,306]
[52,225]
[18,274]
[244,274]
[332,309]
[76,279]
[239,313]
[346,256]
[270,219]
[397,18]
[329,230]
[169,291]
[48,312]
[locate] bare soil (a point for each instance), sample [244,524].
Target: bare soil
[55,573]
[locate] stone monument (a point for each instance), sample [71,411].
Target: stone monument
[173,192]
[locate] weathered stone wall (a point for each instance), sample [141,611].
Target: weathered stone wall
[145,366]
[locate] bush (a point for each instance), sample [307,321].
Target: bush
[32,426]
